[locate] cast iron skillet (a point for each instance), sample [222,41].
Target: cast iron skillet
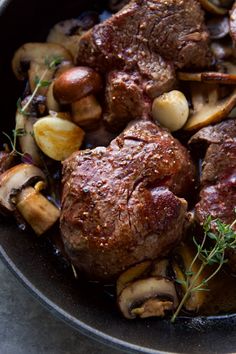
[32,260]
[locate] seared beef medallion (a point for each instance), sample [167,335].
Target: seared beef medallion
[139,49]
[121,204]
[218,180]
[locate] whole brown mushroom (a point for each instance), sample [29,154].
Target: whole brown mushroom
[76,83]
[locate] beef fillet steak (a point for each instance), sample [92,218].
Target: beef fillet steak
[218,180]
[121,204]
[139,49]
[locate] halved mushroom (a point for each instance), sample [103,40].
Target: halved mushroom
[32,60]
[218,27]
[14,180]
[39,213]
[211,7]
[160,268]
[27,143]
[17,193]
[208,108]
[132,274]
[187,254]
[148,297]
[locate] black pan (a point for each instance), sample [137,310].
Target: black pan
[32,260]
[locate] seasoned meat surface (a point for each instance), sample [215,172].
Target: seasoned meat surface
[215,133]
[147,39]
[121,204]
[218,180]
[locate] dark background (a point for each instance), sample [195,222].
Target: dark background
[27,327]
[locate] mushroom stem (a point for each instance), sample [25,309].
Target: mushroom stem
[39,213]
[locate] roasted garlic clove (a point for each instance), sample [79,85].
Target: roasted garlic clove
[57,138]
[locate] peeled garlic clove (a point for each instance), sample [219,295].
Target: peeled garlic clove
[57,138]
[171,110]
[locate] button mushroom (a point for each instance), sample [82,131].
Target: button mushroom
[132,274]
[14,180]
[148,297]
[76,83]
[171,110]
[208,108]
[16,193]
[86,112]
[32,59]
[51,102]
[39,213]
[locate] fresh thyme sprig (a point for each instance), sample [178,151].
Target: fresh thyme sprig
[51,64]
[222,238]
[16,133]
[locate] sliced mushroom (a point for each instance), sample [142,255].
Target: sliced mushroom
[218,27]
[209,77]
[160,268]
[76,83]
[39,213]
[187,254]
[211,7]
[57,138]
[207,107]
[32,60]
[86,112]
[148,297]
[26,139]
[14,180]
[132,274]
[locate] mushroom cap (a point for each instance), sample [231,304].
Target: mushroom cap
[138,293]
[76,83]
[211,112]
[14,180]
[38,53]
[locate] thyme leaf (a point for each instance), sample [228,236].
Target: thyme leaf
[39,82]
[222,238]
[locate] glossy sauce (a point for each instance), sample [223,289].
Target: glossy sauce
[221,298]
